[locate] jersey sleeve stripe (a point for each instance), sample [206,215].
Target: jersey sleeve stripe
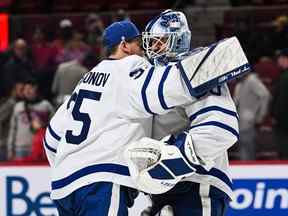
[161,87]
[53,133]
[108,168]
[213,108]
[211,49]
[144,88]
[214,172]
[218,124]
[185,78]
[48,146]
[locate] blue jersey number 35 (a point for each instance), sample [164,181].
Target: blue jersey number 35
[80,116]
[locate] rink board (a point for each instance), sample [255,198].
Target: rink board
[259,189]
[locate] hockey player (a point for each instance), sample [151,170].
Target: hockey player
[211,123]
[111,106]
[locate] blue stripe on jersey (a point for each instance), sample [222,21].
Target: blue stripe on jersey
[211,49]
[159,172]
[48,146]
[199,169]
[177,166]
[218,124]
[161,86]
[52,132]
[214,172]
[213,108]
[185,78]
[143,91]
[110,168]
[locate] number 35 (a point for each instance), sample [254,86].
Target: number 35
[80,116]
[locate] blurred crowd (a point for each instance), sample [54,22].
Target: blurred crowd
[261,97]
[39,73]
[36,78]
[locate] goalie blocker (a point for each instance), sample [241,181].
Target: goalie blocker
[157,166]
[208,67]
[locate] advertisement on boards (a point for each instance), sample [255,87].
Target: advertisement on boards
[259,190]
[25,191]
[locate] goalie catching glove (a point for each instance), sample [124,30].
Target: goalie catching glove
[157,166]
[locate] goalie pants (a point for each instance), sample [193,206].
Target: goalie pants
[101,198]
[188,198]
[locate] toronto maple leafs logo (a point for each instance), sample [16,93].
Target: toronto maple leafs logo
[168,18]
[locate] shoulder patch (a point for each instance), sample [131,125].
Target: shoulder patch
[135,74]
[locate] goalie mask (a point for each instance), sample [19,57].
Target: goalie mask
[166,36]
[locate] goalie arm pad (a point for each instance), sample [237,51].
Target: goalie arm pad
[157,166]
[214,65]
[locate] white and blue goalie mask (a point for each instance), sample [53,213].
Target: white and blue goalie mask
[167,35]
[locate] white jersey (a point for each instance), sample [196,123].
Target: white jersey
[111,106]
[212,122]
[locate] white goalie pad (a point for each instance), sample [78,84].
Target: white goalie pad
[157,167]
[211,66]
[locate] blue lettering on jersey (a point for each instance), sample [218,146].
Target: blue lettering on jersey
[96,78]
[83,117]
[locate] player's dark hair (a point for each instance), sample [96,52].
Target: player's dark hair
[111,50]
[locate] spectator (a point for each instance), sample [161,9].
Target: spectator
[6,109]
[44,62]
[94,30]
[120,15]
[18,68]
[42,51]
[74,49]
[37,150]
[65,35]
[4,57]
[26,118]
[68,74]
[252,101]
[280,112]
[268,72]
[280,32]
